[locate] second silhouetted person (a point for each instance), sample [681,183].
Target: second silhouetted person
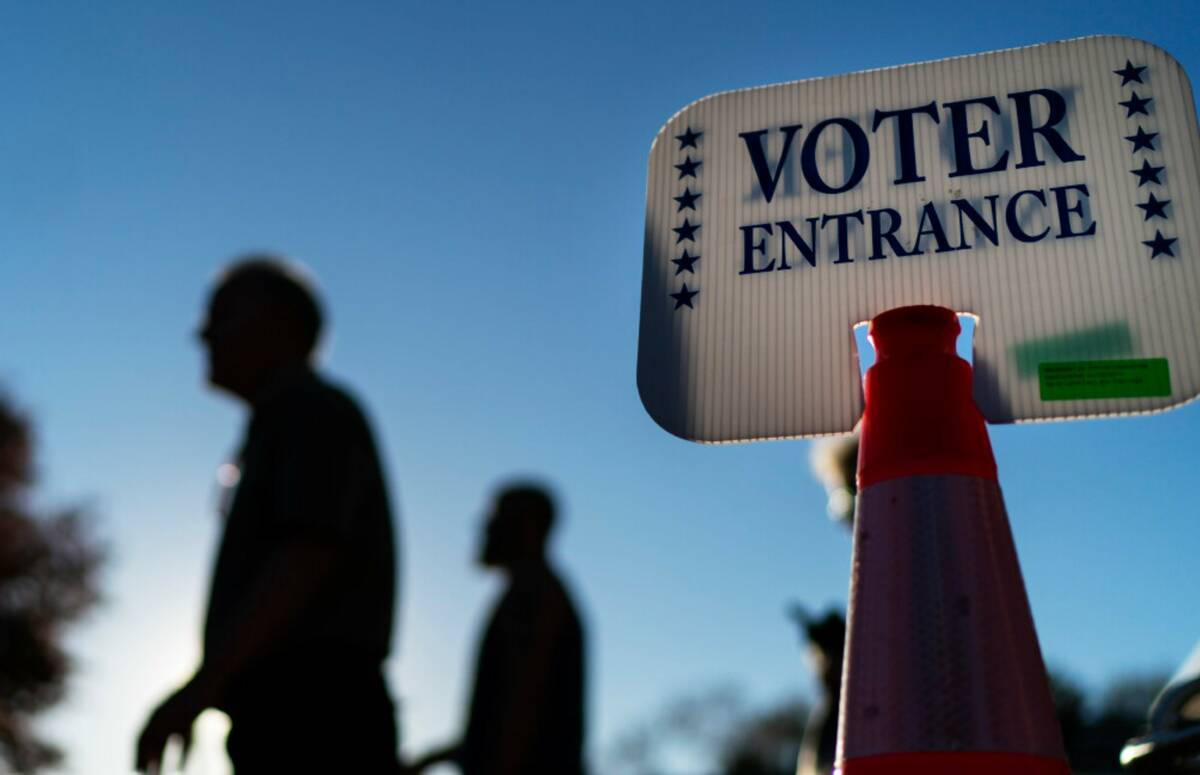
[527,704]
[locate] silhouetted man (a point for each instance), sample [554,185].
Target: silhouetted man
[299,615]
[527,706]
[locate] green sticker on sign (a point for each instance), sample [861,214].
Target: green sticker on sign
[1072,380]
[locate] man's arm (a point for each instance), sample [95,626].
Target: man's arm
[287,583]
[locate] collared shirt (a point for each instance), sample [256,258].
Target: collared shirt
[309,470]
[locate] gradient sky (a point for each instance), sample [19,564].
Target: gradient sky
[467,182]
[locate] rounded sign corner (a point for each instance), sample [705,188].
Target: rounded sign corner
[674,118]
[1140,42]
[650,407]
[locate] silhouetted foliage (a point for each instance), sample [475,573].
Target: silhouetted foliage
[1093,736]
[1071,706]
[767,743]
[696,725]
[712,730]
[48,566]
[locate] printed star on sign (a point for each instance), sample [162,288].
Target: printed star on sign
[684,297]
[685,262]
[1160,246]
[1155,207]
[686,232]
[688,139]
[1136,104]
[1148,173]
[1130,73]
[1142,139]
[688,168]
[687,200]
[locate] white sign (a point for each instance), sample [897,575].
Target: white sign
[1051,191]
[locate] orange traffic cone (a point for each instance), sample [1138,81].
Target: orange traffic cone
[943,675]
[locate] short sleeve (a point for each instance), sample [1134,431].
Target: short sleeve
[322,471]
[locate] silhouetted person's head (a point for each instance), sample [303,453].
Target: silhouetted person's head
[826,647]
[263,318]
[825,640]
[520,520]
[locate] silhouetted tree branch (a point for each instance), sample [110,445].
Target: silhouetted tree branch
[48,568]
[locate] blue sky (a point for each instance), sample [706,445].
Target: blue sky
[467,181]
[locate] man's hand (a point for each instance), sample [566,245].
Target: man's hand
[173,718]
[285,585]
[437,756]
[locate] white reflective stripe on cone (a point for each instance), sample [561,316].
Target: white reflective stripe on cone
[941,652]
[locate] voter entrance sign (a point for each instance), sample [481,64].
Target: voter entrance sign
[1051,191]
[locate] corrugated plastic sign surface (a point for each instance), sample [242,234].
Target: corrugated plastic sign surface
[1051,191]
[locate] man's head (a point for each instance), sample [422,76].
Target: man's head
[263,318]
[520,520]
